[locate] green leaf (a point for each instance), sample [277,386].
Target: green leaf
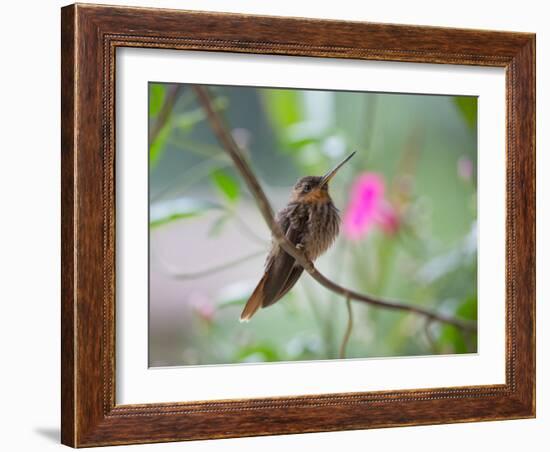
[282,107]
[217,226]
[168,211]
[187,120]
[226,184]
[233,302]
[467,105]
[450,335]
[258,353]
[157,93]
[468,309]
[170,218]
[158,145]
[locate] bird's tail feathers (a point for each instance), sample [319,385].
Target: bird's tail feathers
[254,302]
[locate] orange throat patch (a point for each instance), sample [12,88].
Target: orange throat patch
[317,196]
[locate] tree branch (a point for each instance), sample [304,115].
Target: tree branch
[165,111]
[228,143]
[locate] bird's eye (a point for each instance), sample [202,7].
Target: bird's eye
[306,188]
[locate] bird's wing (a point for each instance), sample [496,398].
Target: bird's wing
[293,278]
[254,302]
[281,272]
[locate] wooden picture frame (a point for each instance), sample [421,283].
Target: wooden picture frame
[90,36]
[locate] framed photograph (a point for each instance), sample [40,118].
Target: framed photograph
[282,225]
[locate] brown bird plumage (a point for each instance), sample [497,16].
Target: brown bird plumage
[311,222]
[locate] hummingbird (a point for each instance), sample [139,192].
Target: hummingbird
[311,222]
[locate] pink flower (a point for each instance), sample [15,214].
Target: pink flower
[465,168]
[368,207]
[387,218]
[202,306]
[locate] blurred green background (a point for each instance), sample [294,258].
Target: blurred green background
[208,242]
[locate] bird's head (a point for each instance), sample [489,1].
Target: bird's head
[315,188]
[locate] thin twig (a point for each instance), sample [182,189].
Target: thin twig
[248,231]
[429,336]
[349,328]
[212,152]
[332,297]
[194,174]
[165,112]
[310,297]
[228,143]
[208,271]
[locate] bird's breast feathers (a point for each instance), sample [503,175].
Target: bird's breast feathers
[322,230]
[314,226]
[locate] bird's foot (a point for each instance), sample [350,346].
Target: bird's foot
[301,247]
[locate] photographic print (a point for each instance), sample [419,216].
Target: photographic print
[334,219]
[378,190]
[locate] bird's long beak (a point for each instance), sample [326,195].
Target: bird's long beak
[327,177]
